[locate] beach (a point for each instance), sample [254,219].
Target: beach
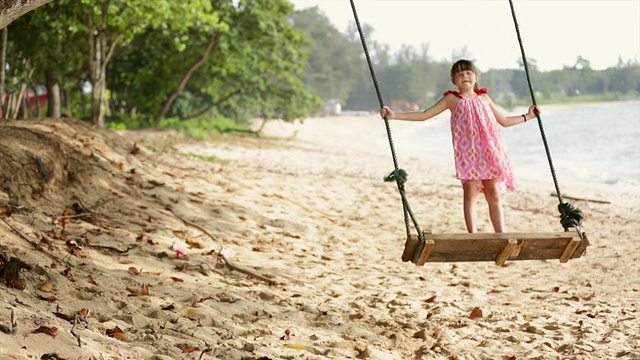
[288,246]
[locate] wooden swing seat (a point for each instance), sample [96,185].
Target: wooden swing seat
[497,247]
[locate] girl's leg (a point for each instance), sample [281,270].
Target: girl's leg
[470,195]
[492,194]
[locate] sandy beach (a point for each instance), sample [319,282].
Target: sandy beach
[288,247]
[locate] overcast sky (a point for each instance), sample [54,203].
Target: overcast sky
[554,32]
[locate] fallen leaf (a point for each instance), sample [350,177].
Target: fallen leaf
[176,279]
[45,286]
[134,271]
[475,313]
[53,331]
[114,331]
[144,290]
[120,336]
[190,349]
[47,298]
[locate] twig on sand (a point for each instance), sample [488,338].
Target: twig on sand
[21,235]
[205,231]
[226,262]
[207,349]
[76,319]
[245,271]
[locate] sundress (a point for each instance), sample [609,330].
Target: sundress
[479,147]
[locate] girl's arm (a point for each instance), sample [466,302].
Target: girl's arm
[507,121]
[442,105]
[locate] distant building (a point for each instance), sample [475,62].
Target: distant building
[332,107]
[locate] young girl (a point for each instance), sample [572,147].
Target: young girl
[481,159]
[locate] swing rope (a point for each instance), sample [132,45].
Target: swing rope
[398,175]
[570,216]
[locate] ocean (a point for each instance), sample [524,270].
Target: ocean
[588,143]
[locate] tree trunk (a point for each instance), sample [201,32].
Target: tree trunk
[15,103]
[4,34]
[54,102]
[187,76]
[100,53]
[96,76]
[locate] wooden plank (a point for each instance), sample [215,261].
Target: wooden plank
[488,246]
[410,247]
[425,253]
[506,251]
[569,250]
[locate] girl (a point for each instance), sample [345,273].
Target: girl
[481,159]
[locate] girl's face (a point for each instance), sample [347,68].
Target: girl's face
[464,80]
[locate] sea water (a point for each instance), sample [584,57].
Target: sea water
[588,143]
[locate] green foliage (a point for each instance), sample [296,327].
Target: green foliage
[266,60]
[334,59]
[251,69]
[200,129]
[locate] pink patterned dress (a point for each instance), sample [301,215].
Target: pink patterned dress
[479,147]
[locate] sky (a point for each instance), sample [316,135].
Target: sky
[554,32]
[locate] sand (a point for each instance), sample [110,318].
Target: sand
[305,209]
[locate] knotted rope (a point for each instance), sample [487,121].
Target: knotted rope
[398,175]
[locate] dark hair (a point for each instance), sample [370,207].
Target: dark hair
[464,65]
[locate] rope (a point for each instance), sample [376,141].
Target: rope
[570,216]
[398,175]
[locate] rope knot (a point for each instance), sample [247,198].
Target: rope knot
[398,175]
[570,216]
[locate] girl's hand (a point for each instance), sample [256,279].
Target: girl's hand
[534,110]
[386,113]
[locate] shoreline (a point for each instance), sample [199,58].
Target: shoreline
[373,138]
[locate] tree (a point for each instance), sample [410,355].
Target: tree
[333,57]
[11,10]
[519,82]
[48,40]
[109,24]
[245,66]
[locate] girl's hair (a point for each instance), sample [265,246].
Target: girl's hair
[464,65]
